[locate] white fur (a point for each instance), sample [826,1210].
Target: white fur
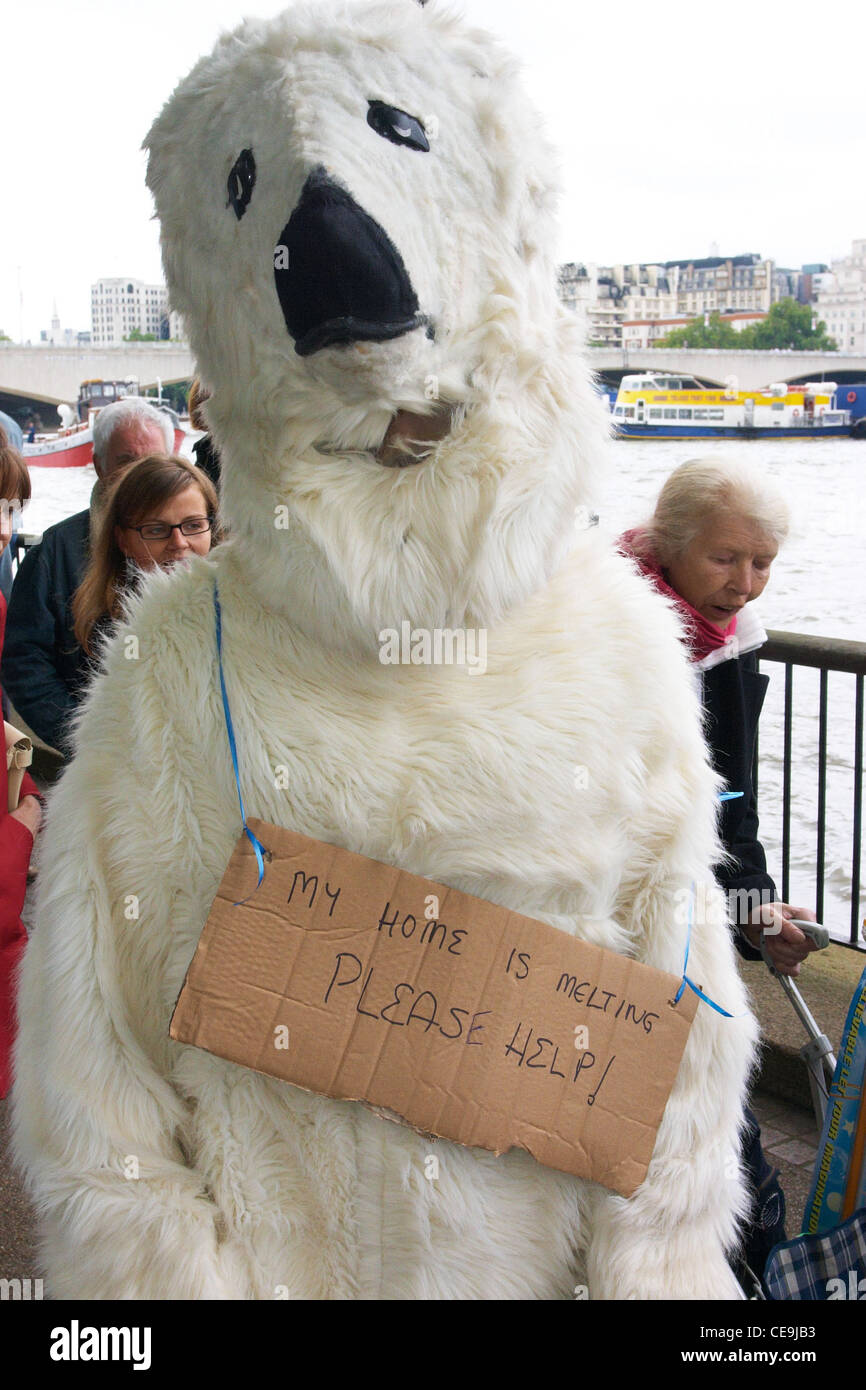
[248,1186]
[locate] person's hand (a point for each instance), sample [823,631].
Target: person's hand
[786,946]
[29,813]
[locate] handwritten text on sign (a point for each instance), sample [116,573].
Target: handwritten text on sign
[360,981]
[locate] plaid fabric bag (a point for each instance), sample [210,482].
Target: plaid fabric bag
[828,1266]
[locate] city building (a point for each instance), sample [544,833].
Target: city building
[841,300]
[653,299]
[119,307]
[605,296]
[176,330]
[812,281]
[55,336]
[717,284]
[646,332]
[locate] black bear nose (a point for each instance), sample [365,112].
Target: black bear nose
[339,277]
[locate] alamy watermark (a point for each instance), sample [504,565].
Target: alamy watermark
[77,1343]
[851,1286]
[737,906]
[10,513]
[20,1290]
[438,646]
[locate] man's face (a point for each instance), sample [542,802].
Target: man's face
[134,439]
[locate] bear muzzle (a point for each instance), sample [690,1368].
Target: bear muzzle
[339,277]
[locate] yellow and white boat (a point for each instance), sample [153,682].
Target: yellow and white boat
[663,405]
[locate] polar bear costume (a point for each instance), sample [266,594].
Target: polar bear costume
[419,280]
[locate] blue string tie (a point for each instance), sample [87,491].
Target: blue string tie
[261,853]
[685,980]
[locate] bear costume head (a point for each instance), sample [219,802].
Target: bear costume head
[357,225]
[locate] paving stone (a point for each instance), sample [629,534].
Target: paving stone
[769,1114]
[801,1124]
[771,1136]
[795,1151]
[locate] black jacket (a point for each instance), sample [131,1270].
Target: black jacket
[45,671]
[733,695]
[207,459]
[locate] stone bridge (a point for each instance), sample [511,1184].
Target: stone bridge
[751,369]
[54,374]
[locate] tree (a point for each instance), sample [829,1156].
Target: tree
[788,325]
[136,336]
[698,334]
[175,394]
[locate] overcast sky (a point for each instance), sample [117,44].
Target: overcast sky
[683,127]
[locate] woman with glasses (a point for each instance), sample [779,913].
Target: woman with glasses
[158,511]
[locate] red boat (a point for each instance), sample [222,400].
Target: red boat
[72,446]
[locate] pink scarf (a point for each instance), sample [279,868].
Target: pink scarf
[703,636]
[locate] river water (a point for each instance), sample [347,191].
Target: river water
[816,586]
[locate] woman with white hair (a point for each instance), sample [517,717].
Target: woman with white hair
[709,547]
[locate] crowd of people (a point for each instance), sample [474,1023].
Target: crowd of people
[708,547]
[148,508]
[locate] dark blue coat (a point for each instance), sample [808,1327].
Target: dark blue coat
[45,670]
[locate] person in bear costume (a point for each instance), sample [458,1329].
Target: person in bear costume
[357,225]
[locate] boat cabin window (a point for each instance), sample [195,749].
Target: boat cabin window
[684,414]
[677,383]
[670,414]
[700,414]
[716,414]
[655,414]
[777,405]
[629,412]
[108,389]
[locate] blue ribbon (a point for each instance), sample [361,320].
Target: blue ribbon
[730,796]
[685,980]
[260,851]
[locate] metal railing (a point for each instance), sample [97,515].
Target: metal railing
[21,543]
[824,654]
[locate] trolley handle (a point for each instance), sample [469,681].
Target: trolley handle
[820,935]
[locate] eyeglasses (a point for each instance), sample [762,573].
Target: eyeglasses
[161,530]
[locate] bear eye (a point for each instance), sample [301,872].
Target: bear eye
[241,182]
[397,126]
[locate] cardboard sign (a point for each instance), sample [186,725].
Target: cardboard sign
[467,1021]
